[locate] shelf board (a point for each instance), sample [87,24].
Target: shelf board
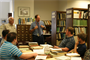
[79,26]
[61,19]
[47,25]
[60,39]
[60,32]
[60,26]
[80,19]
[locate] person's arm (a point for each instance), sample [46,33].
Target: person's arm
[43,25]
[71,51]
[75,48]
[32,30]
[63,49]
[27,56]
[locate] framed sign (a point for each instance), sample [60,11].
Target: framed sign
[24,11]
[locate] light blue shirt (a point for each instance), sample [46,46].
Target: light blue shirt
[9,51]
[33,26]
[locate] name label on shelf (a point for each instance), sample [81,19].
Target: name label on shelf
[53,13]
[53,16]
[69,11]
[69,16]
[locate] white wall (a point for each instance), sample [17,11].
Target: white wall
[45,7]
[63,5]
[23,3]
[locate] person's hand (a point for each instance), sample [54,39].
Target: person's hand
[35,54]
[42,26]
[56,47]
[36,27]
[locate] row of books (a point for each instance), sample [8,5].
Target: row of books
[79,30]
[60,35]
[80,14]
[79,22]
[61,16]
[25,20]
[60,29]
[47,22]
[61,23]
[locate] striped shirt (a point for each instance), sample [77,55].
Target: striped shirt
[9,51]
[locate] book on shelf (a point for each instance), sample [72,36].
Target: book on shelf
[79,22]
[79,30]
[61,16]
[47,22]
[60,35]
[80,14]
[60,29]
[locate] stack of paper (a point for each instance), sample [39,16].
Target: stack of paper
[43,45]
[72,54]
[37,47]
[40,58]
[63,58]
[54,49]
[39,51]
[23,46]
[76,58]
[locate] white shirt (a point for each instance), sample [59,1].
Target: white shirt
[10,27]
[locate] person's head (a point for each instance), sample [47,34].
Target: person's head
[11,20]
[12,37]
[37,18]
[81,37]
[4,33]
[69,31]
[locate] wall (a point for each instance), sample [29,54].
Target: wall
[45,7]
[23,3]
[73,3]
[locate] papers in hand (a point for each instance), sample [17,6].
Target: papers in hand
[72,54]
[39,51]
[40,57]
[54,49]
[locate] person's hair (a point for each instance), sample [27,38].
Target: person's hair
[36,16]
[11,36]
[10,18]
[71,29]
[5,32]
[82,36]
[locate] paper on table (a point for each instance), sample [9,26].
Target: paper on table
[40,57]
[72,54]
[46,45]
[55,49]
[63,58]
[76,58]
[39,51]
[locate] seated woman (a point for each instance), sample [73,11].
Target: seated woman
[80,46]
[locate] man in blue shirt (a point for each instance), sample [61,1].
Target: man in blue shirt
[37,29]
[68,42]
[80,46]
[10,51]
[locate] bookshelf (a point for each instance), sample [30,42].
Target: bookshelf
[58,26]
[88,34]
[78,19]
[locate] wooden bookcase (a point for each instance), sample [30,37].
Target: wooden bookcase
[23,34]
[77,14]
[88,34]
[57,18]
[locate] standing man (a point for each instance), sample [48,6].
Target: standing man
[37,30]
[10,25]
